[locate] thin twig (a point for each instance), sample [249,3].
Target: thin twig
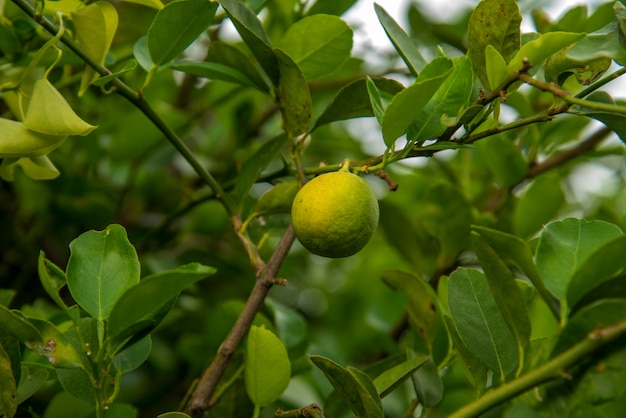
[200,399]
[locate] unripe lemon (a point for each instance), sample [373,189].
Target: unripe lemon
[335,214]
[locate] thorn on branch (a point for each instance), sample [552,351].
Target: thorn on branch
[383,175]
[278,281]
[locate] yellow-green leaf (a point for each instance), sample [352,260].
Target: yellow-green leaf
[37,168]
[49,113]
[155,4]
[17,141]
[94,26]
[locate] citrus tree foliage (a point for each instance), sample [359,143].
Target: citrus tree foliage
[148,145]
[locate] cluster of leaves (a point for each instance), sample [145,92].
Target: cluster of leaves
[489,287]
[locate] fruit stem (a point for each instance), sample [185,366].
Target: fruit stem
[345,165]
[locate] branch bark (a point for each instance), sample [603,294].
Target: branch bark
[200,400]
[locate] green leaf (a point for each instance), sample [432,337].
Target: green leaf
[78,383]
[450,98]
[253,166]
[140,306]
[173,415]
[564,246]
[602,313]
[101,267]
[601,266]
[516,250]
[538,205]
[480,323]
[447,217]
[53,279]
[49,113]
[504,158]
[475,370]
[126,66]
[155,4]
[251,31]
[376,100]
[61,349]
[353,100]
[388,380]
[331,7]
[33,377]
[94,28]
[213,71]
[317,44]
[294,96]
[176,26]
[355,388]
[18,327]
[36,168]
[496,67]
[18,141]
[403,44]
[267,369]
[133,356]
[615,121]
[421,306]
[428,384]
[278,199]
[506,293]
[290,325]
[8,385]
[64,404]
[495,23]
[603,43]
[407,105]
[537,50]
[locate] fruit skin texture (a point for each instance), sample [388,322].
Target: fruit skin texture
[335,214]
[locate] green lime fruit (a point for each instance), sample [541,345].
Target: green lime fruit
[335,214]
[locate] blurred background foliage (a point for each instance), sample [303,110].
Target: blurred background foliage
[124,172]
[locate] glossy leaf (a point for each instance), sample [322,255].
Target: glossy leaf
[124,68]
[253,166]
[317,44]
[290,325]
[604,264]
[173,415]
[475,370]
[480,323]
[376,100]
[293,95]
[267,369]
[616,121]
[17,327]
[78,383]
[214,71]
[404,45]
[506,292]
[133,356]
[278,199]
[537,50]
[8,384]
[139,307]
[407,105]
[60,349]
[495,23]
[94,28]
[331,7]
[421,306]
[564,246]
[603,43]
[388,380]
[49,113]
[539,204]
[176,26]
[602,313]
[53,279]
[33,377]
[251,31]
[428,384]
[495,66]
[514,249]
[452,96]
[155,4]
[355,389]
[18,141]
[353,100]
[101,267]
